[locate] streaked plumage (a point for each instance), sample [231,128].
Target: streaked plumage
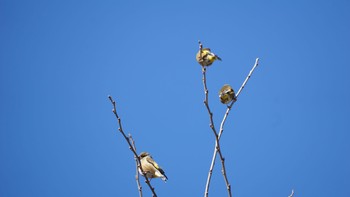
[150,167]
[226,94]
[206,58]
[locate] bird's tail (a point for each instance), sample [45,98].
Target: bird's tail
[164,178]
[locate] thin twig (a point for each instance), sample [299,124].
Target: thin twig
[137,166]
[212,126]
[130,145]
[200,54]
[292,194]
[222,127]
[249,75]
[236,97]
[206,102]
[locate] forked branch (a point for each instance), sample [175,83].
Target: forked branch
[234,100]
[212,126]
[217,143]
[218,136]
[132,147]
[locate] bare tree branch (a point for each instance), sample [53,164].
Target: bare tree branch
[137,166]
[236,97]
[248,77]
[217,144]
[218,136]
[212,126]
[206,102]
[131,147]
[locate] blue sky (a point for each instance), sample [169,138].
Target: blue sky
[60,60]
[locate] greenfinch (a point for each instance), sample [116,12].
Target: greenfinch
[150,168]
[205,57]
[226,94]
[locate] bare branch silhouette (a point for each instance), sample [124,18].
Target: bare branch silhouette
[224,120]
[236,97]
[131,146]
[217,143]
[248,77]
[218,135]
[212,126]
[139,187]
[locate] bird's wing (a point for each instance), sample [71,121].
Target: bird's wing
[230,90]
[152,162]
[207,51]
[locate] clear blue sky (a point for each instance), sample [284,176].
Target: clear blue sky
[59,60]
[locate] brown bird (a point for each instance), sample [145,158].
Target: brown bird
[150,167]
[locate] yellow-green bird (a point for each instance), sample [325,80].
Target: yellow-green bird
[226,94]
[150,167]
[206,58]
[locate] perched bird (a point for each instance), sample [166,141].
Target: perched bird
[206,57]
[150,167]
[227,94]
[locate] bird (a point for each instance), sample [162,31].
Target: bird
[205,57]
[226,94]
[150,168]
